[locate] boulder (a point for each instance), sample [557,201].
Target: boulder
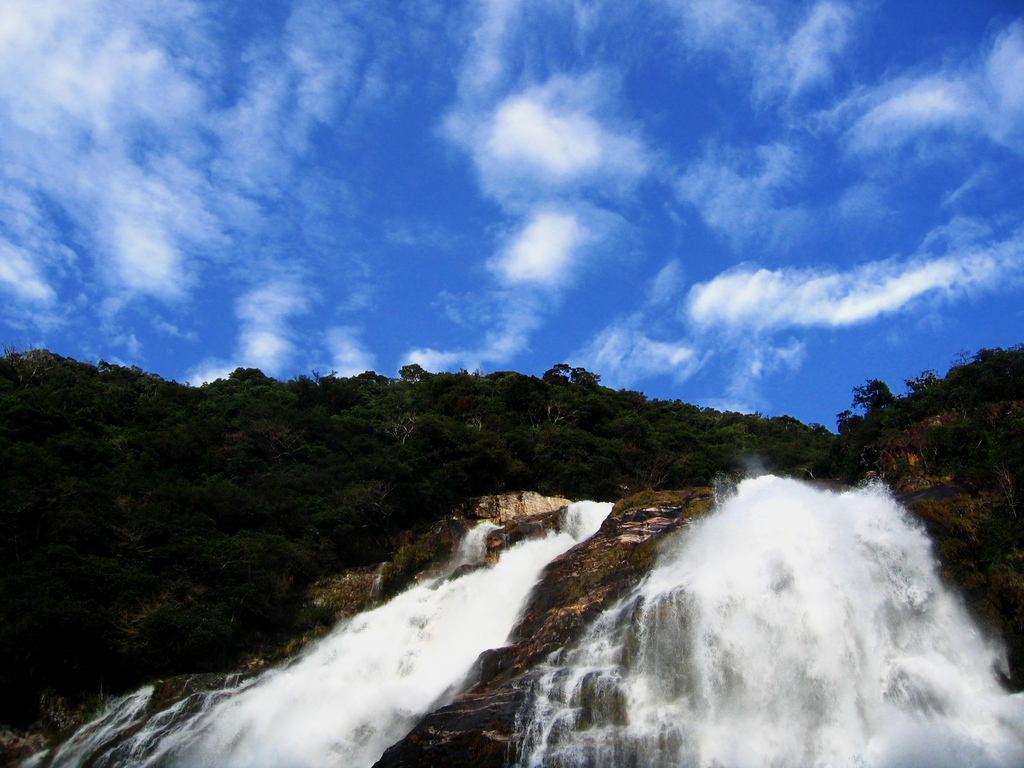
[505,507]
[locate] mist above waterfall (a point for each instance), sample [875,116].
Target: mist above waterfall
[792,627]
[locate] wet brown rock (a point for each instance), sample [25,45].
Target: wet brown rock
[472,731]
[519,529]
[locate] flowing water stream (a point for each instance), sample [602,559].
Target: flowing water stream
[792,628]
[356,692]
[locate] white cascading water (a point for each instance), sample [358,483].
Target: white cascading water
[792,628]
[357,691]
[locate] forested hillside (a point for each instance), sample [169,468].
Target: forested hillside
[153,528]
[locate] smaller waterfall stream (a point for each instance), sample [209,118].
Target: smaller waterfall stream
[791,628]
[353,694]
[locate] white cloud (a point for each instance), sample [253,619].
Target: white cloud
[349,356]
[533,269]
[83,86]
[323,49]
[542,253]
[548,139]
[917,106]
[560,146]
[31,264]
[265,340]
[743,199]
[751,299]
[765,359]
[624,355]
[1004,75]
[18,272]
[736,25]
[209,370]
[977,100]
[433,360]
[146,261]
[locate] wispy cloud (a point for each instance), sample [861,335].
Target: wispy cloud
[534,268]
[742,197]
[624,355]
[18,274]
[809,55]
[486,61]
[82,87]
[753,361]
[626,351]
[265,339]
[124,122]
[753,319]
[983,99]
[348,354]
[750,299]
[785,52]
[666,284]
[520,313]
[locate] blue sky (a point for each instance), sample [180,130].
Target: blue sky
[746,205]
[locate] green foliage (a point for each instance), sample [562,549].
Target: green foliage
[873,395]
[968,425]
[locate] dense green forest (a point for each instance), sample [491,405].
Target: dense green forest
[153,528]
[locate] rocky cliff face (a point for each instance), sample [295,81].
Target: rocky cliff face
[477,728]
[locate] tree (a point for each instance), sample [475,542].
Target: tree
[559,374]
[563,374]
[873,395]
[583,376]
[412,373]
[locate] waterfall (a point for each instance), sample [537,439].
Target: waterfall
[793,627]
[355,692]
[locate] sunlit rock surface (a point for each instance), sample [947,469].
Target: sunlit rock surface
[505,507]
